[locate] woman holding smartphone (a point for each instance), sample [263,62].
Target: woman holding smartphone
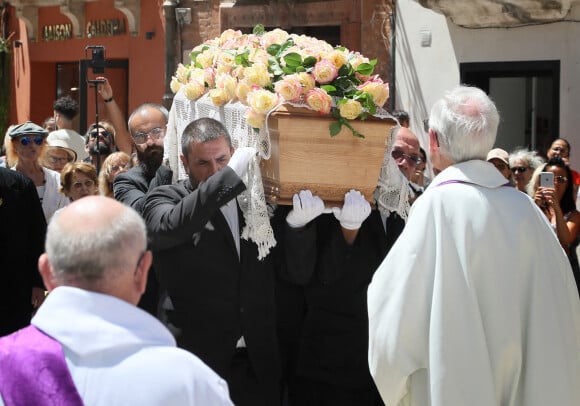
[557,201]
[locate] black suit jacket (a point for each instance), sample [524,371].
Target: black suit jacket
[131,188]
[218,296]
[22,233]
[335,276]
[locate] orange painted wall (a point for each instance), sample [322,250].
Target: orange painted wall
[34,63]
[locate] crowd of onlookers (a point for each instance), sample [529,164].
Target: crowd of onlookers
[302,312]
[557,200]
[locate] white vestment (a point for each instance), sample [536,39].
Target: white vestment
[476,303]
[118,354]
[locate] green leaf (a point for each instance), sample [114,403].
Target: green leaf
[293,59]
[259,29]
[345,70]
[309,62]
[365,69]
[274,49]
[193,55]
[300,69]
[287,44]
[335,128]
[328,88]
[242,58]
[288,70]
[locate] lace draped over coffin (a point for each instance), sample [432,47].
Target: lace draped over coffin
[392,189]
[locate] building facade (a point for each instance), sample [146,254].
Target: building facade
[522,52]
[144,41]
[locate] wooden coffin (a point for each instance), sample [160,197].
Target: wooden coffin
[305,156]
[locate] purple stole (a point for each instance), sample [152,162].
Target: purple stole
[33,371]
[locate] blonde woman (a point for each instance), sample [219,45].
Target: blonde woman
[115,164]
[24,150]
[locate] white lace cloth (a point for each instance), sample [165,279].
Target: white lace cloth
[392,190]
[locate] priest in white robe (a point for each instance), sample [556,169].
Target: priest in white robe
[475,303]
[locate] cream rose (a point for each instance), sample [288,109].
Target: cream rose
[257,74]
[350,109]
[306,80]
[175,84]
[377,89]
[206,58]
[324,71]
[338,58]
[242,90]
[276,36]
[181,73]
[219,97]
[318,100]
[227,83]
[255,119]
[289,88]
[193,89]
[262,101]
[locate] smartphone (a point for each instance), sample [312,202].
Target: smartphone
[547,179]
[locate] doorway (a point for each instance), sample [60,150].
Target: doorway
[527,96]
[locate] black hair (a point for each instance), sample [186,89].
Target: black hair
[66,106]
[568,202]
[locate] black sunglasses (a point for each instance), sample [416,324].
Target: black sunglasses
[520,169]
[400,155]
[95,134]
[27,139]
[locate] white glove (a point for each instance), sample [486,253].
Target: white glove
[240,159]
[306,208]
[354,211]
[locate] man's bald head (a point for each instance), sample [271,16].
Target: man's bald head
[93,243]
[406,151]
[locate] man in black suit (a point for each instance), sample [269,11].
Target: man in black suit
[147,125]
[21,243]
[334,257]
[222,293]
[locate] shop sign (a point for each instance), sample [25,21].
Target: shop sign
[56,32]
[105,28]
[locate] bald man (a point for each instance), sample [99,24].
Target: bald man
[89,338]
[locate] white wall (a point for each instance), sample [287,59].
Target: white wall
[423,74]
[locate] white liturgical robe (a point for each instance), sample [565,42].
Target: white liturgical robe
[476,303]
[118,354]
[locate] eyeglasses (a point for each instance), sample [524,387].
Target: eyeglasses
[560,179]
[520,169]
[154,134]
[89,183]
[57,160]
[95,134]
[26,140]
[561,151]
[400,155]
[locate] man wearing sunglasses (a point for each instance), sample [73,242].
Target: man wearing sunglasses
[100,143]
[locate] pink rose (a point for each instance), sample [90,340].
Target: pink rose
[319,100]
[324,71]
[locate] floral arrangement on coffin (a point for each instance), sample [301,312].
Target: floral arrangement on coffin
[266,68]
